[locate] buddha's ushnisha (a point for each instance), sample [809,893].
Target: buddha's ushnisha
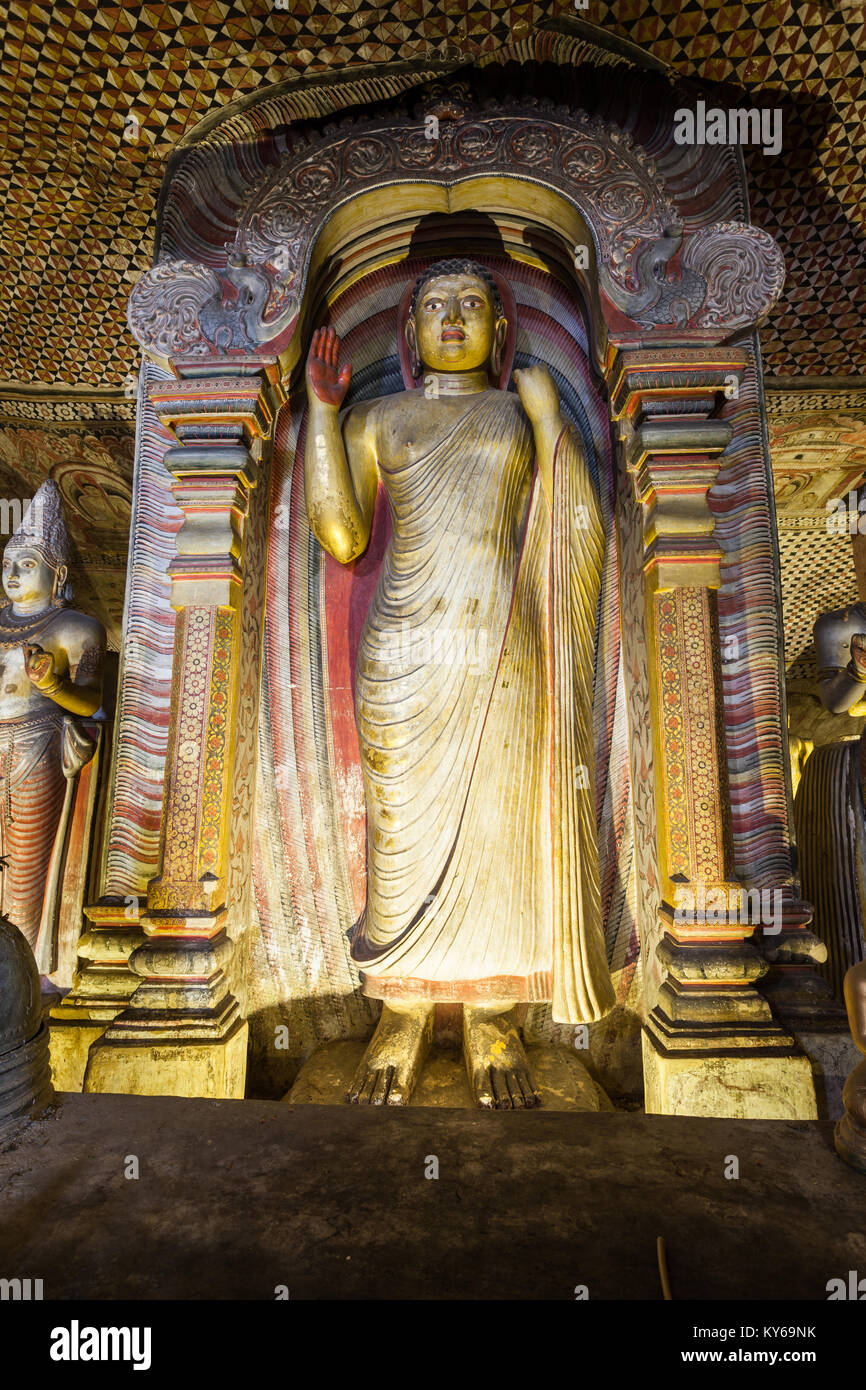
[473,689]
[51,660]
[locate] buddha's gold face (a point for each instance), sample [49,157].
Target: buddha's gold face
[27,577]
[455,323]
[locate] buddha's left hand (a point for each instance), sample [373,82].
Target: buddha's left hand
[538,394]
[40,667]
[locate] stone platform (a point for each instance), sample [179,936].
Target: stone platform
[234,1198]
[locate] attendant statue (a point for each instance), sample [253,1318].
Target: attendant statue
[51,660]
[840,647]
[829,808]
[473,696]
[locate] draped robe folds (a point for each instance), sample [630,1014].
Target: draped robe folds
[473,704]
[32,791]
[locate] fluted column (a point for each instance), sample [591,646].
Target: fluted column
[709,1022]
[182,1032]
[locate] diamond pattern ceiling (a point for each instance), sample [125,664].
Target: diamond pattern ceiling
[80,196]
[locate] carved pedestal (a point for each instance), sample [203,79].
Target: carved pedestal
[711,1044]
[102,987]
[181,1032]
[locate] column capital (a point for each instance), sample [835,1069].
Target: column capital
[221,418]
[217,397]
[680,380]
[666,404]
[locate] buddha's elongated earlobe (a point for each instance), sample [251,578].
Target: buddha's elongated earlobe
[500,334]
[412,342]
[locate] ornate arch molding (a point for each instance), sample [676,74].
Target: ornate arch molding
[658,282]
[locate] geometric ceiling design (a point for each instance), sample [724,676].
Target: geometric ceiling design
[80,198]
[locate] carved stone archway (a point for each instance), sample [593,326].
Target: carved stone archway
[727,275]
[673,297]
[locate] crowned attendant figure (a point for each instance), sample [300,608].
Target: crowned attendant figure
[482,862]
[51,660]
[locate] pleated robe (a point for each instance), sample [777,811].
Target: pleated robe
[32,788]
[473,704]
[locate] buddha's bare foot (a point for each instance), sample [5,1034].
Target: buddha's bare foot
[395,1055]
[495,1060]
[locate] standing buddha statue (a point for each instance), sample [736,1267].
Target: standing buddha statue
[482,860]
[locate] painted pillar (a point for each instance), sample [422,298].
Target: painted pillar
[182,1032]
[711,1044]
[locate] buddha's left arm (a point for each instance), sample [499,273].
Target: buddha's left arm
[540,399]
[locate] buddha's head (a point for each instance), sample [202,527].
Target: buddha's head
[456,322]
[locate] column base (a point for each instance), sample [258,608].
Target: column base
[101,989]
[215,1069]
[70,1043]
[738,1079]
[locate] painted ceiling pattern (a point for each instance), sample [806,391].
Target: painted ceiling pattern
[96,96]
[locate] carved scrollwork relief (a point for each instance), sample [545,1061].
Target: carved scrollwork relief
[744,273]
[616,186]
[715,279]
[180,309]
[164,304]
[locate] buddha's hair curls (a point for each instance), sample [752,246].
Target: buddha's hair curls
[456,265]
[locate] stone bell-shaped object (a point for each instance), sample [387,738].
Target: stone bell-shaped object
[25,1072]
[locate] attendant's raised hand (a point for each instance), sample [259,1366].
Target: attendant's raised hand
[326,381]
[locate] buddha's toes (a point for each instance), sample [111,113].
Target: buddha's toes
[496,1062]
[394,1057]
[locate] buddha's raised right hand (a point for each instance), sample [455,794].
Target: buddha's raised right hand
[326,382]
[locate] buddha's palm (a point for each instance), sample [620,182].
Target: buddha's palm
[325,379]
